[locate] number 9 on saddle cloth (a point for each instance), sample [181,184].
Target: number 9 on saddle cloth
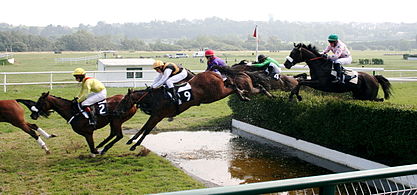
[183,91]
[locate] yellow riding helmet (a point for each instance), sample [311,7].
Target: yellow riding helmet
[157,63]
[79,71]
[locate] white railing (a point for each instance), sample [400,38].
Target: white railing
[86,58]
[136,81]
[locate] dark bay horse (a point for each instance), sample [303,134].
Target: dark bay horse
[65,108]
[285,83]
[206,87]
[12,112]
[320,68]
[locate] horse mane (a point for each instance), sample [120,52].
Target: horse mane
[310,47]
[61,98]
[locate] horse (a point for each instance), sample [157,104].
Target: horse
[69,110]
[284,83]
[366,87]
[12,112]
[205,87]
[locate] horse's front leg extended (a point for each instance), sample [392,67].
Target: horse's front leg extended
[264,91]
[296,91]
[90,142]
[147,128]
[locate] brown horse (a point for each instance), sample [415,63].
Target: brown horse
[206,87]
[320,71]
[12,112]
[258,74]
[68,110]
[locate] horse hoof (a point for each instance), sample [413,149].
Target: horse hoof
[133,148]
[170,119]
[52,135]
[129,142]
[92,155]
[299,98]
[48,152]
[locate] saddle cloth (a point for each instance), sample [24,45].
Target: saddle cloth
[348,75]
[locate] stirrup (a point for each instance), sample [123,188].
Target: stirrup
[336,81]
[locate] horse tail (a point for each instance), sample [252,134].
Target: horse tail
[27,103]
[225,70]
[386,85]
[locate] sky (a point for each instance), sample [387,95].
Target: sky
[89,12]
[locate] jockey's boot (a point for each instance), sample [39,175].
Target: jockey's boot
[91,116]
[173,91]
[338,70]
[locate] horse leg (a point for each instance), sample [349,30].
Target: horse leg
[147,128]
[296,92]
[90,142]
[116,129]
[135,136]
[264,91]
[238,91]
[27,127]
[41,131]
[112,134]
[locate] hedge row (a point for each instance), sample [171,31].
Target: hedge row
[377,131]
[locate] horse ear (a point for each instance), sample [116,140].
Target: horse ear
[45,94]
[129,91]
[295,45]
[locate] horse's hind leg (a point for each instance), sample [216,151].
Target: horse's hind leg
[116,130]
[296,92]
[27,127]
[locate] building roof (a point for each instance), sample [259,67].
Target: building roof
[127,62]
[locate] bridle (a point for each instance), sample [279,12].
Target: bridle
[291,60]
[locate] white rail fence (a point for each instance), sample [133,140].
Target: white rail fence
[135,81]
[86,58]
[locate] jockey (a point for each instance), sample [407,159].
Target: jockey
[341,55]
[213,60]
[270,65]
[92,91]
[169,73]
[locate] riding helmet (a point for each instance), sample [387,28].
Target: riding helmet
[79,71]
[261,57]
[209,52]
[333,37]
[157,63]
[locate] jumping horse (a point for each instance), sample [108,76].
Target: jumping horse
[12,112]
[68,110]
[366,87]
[205,87]
[258,75]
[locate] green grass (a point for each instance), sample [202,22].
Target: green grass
[25,169]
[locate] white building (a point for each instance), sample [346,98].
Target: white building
[116,75]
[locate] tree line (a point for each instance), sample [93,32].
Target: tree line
[215,33]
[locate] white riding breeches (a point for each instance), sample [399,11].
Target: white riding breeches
[176,78]
[344,61]
[93,98]
[277,70]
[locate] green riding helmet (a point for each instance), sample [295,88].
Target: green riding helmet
[333,37]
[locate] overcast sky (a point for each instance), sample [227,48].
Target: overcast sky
[75,12]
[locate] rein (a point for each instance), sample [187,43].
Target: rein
[316,58]
[146,93]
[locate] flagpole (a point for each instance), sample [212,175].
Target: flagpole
[257,42]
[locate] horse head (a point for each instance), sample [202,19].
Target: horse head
[131,98]
[301,53]
[43,106]
[295,56]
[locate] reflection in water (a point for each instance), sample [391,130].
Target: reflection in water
[226,159]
